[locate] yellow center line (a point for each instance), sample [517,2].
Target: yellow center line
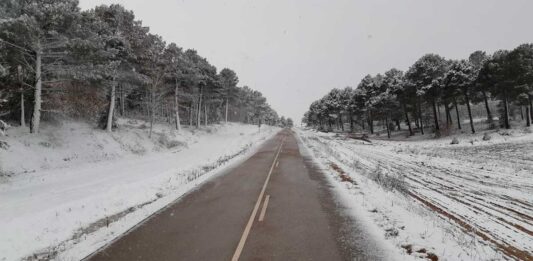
[248,227]
[265,204]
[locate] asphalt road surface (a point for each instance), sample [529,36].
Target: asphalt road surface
[274,206]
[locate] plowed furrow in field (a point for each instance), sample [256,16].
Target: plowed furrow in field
[503,246]
[470,195]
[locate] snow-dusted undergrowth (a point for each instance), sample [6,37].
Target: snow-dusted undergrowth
[63,190]
[471,201]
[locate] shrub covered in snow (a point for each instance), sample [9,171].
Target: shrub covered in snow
[455,140]
[3,127]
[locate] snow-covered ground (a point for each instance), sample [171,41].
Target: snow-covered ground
[470,201]
[62,191]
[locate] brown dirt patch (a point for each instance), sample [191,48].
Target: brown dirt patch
[344,177]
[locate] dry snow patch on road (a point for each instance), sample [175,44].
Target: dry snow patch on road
[72,189]
[472,201]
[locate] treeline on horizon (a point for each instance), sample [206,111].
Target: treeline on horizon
[57,62]
[432,82]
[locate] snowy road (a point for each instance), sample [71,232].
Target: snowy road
[230,217]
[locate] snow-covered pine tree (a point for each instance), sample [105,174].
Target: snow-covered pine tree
[40,30]
[462,76]
[229,82]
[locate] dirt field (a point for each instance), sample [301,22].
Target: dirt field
[483,188]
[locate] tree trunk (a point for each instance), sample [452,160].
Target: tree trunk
[111,109]
[486,100]
[370,122]
[177,107]
[521,112]
[438,111]
[351,122]
[530,97]
[162,109]
[22,112]
[340,122]
[448,116]
[467,100]
[152,113]
[168,113]
[457,113]
[227,108]
[205,113]
[122,100]
[407,120]
[506,111]
[528,113]
[148,107]
[435,115]
[420,117]
[387,123]
[199,112]
[398,125]
[191,113]
[36,118]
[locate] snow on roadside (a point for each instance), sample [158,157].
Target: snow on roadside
[367,229]
[68,208]
[455,202]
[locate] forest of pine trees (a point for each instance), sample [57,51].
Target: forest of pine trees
[432,84]
[58,62]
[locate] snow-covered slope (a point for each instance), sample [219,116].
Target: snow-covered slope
[63,191]
[74,143]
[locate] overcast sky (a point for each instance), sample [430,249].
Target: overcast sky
[294,52]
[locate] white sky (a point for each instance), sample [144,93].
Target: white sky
[294,52]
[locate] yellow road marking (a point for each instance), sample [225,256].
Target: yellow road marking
[248,227]
[265,204]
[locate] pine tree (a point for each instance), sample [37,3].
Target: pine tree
[229,81]
[477,59]
[497,74]
[462,76]
[424,74]
[40,30]
[521,62]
